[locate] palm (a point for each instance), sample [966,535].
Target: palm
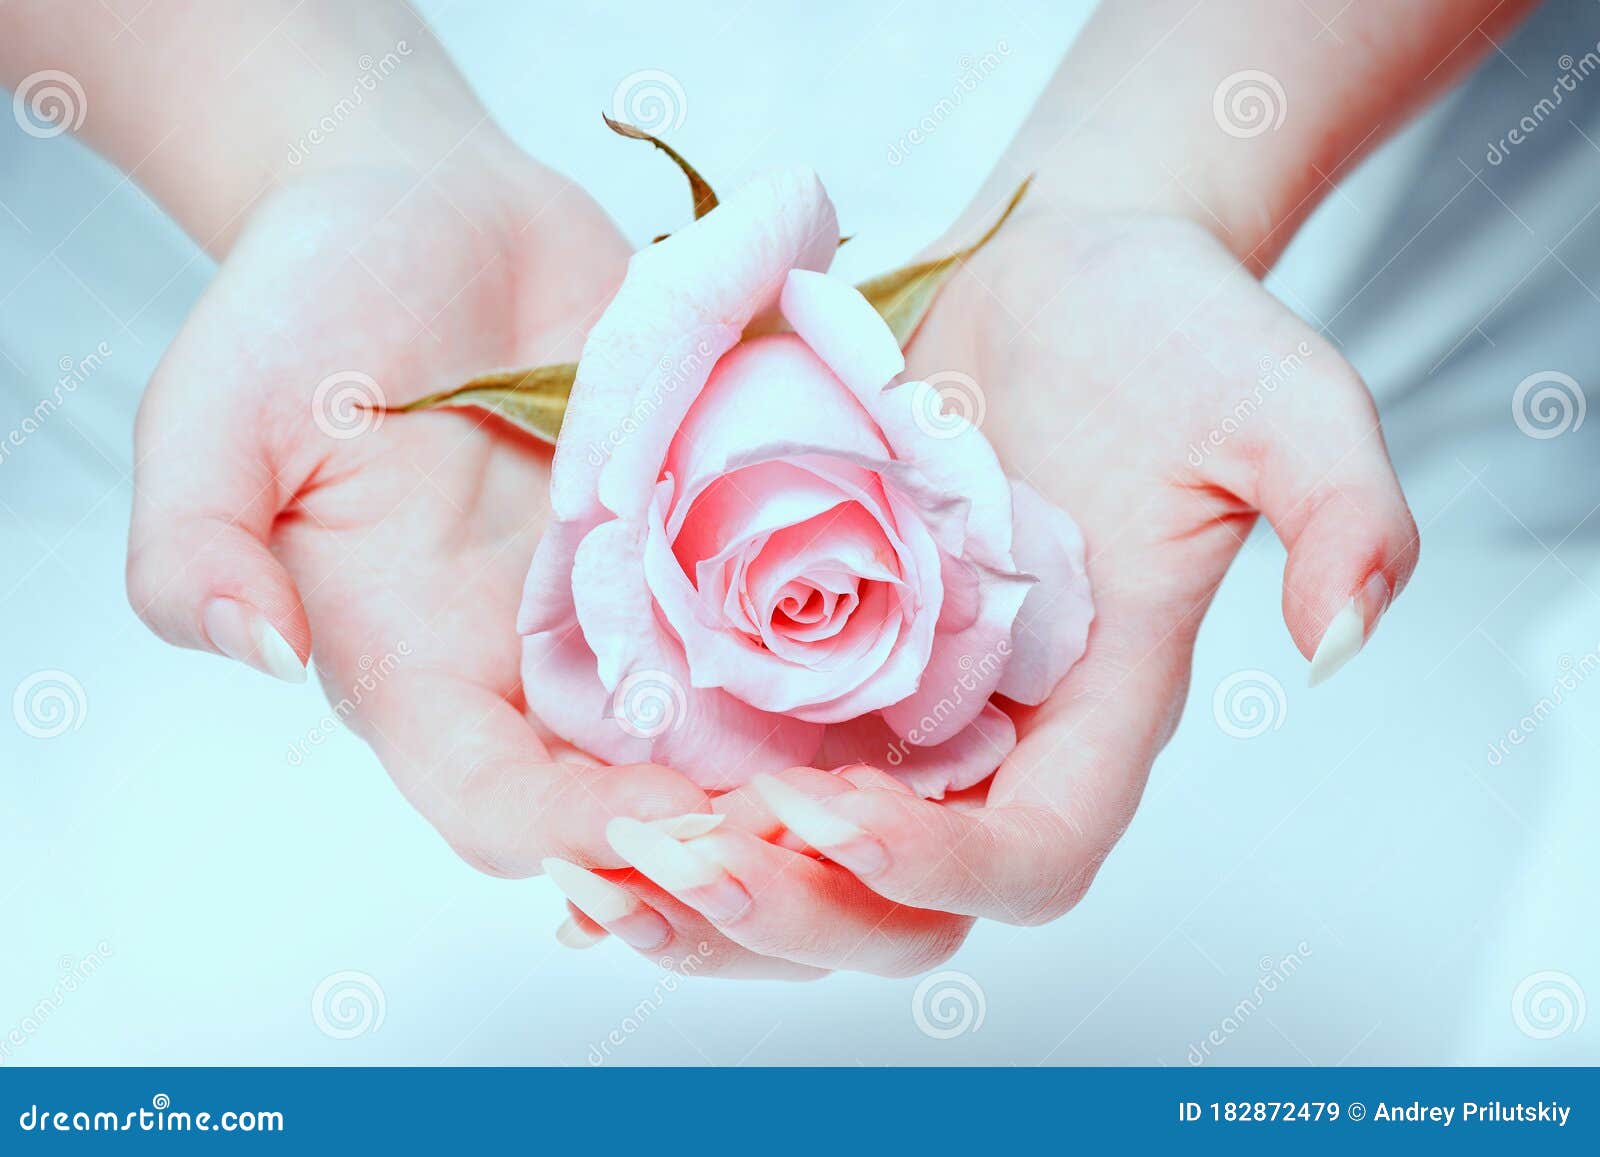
[408,536]
[1106,352]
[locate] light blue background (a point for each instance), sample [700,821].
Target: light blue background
[1425,883]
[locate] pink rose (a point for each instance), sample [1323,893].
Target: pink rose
[763,553]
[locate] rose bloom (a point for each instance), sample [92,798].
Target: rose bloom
[765,553]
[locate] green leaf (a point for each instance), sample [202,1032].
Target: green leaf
[903,296]
[705,199]
[533,399]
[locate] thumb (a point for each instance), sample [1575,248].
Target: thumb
[1324,481]
[200,573]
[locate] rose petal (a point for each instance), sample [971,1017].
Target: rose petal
[682,305]
[964,667]
[966,758]
[1052,628]
[843,328]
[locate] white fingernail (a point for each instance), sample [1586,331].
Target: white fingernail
[1340,642]
[660,857]
[242,633]
[687,827]
[575,935]
[278,656]
[597,898]
[804,816]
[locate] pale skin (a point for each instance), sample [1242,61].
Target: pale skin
[1112,327]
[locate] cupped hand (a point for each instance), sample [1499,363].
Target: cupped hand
[277,511]
[1137,375]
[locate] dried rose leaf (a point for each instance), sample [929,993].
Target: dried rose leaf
[902,297]
[705,199]
[534,398]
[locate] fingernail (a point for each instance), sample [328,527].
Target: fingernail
[696,879]
[242,633]
[832,835]
[1350,628]
[633,922]
[575,935]
[687,827]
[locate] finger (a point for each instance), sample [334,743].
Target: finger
[205,498]
[778,903]
[476,770]
[1320,473]
[655,925]
[578,931]
[747,810]
[1058,803]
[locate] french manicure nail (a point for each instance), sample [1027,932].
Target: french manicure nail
[1348,631]
[687,827]
[832,835]
[575,935]
[243,634]
[696,878]
[633,922]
